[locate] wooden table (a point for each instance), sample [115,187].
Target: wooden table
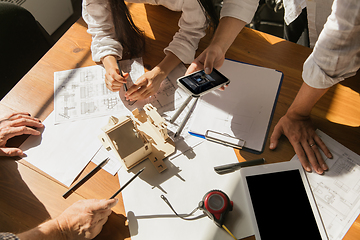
[29,196]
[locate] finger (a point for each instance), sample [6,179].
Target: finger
[138,95]
[19,118]
[18,114]
[194,66]
[135,87]
[274,139]
[113,86]
[114,75]
[17,131]
[322,146]
[301,155]
[29,122]
[135,91]
[96,228]
[308,148]
[320,160]
[11,152]
[209,63]
[147,94]
[103,204]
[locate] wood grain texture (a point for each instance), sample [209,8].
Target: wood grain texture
[29,196]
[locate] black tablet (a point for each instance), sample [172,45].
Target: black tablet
[281,202]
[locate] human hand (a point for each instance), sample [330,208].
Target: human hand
[85,218]
[306,143]
[211,57]
[114,79]
[14,125]
[146,85]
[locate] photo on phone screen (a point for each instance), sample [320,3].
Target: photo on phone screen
[199,83]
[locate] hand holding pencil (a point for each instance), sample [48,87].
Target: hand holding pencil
[115,79]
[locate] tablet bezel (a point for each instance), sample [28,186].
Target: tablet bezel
[280,167]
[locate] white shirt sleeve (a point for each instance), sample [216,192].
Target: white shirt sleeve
[192,25]
[336,54]
[97,15]
[241,9]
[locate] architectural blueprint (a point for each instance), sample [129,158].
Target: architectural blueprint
[82,94]
[337,192]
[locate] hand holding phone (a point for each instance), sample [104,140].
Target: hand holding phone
[200,83]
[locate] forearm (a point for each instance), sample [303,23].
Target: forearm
[226,32]
[109,61]
[305,100]
[47,230]
[169,62]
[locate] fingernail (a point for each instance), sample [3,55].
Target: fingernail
[324,167]
[207,70]
[308,169]
[272,145]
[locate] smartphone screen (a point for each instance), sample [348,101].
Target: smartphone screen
[200,82]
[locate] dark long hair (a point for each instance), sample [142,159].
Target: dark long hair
[212,12]
[132,38]
[128,34]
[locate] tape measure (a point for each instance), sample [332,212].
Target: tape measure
[216,204]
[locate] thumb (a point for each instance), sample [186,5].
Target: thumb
[192,68]
[209,64]
[11,152]
[274,139]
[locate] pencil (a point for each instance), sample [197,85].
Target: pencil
[125,87]
[186,118]
[87,177]
[127,183]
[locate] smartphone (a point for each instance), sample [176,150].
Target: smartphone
[200,83]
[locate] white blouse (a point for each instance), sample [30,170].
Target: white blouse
[192,23]
[336,53]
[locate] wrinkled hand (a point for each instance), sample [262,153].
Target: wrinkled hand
[306,143]
[85,218]
[113,79]
[14,125]
[146,86]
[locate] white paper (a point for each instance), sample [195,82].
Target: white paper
[113,164]
[188,178]
[63,150]
[81,93]
[244,109]
[337,191]
[68,147]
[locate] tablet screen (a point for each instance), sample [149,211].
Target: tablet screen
[281,206]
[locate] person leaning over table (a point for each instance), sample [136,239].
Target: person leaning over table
[234,16]
[82,220]
[14,125]
[114,33]
[336,56]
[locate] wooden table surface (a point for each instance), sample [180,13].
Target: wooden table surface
[29,196]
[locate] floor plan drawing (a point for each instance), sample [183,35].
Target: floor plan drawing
[337,192]
[81,93]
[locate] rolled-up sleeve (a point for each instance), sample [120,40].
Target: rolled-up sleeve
[336,54]
[97,15]
[241,9]
[192,25]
